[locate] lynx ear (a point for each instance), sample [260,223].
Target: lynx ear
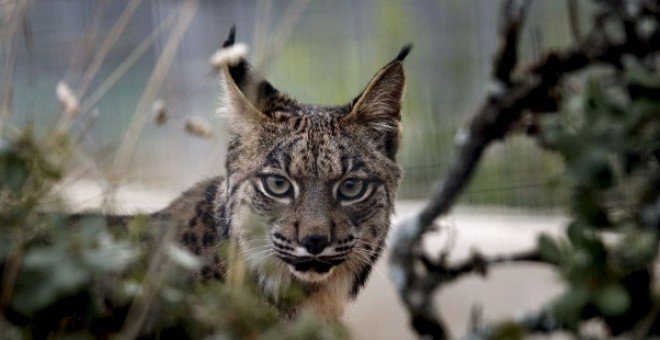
[379,106]
[247,91]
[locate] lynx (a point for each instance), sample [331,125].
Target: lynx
[308,191]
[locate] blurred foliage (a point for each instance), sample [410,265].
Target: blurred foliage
[608,134]
[89,279]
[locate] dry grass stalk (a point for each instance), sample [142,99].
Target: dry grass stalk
[141,115]
[13,13]
[107,44]
[121,70]
[199,127]
[115,32]
[262,27]
[88,41]
[159,113]
[68,99]
[156,272]
[264,60]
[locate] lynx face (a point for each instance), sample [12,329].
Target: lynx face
[326,190]
[320,180]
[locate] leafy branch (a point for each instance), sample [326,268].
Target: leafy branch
[516,92]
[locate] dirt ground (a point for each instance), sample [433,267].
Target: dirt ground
[506,292]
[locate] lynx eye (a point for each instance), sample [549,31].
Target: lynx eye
[277,186]
[351,188]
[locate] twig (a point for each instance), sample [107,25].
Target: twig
[542,321]
[513,14]
[477,263]
[11,269]
[574,20]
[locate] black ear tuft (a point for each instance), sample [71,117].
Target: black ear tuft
[404,52]
[248,92]
[231,38]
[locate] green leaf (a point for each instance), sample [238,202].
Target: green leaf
[109,256]
[549,249]
[581,261]
[575,232]
[508,331]
[5,245]
[640,75]
[587,210]
[612,300]
[569,306]
[183,257]
[592,167]
[15,172]
[49,273]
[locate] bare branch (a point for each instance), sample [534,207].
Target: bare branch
[513,14]
[574,20]
[542,321]
[477,263]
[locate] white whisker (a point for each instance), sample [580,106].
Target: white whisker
[362,257]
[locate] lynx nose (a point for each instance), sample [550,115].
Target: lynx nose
[315,243]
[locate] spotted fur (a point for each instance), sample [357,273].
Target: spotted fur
[315,149]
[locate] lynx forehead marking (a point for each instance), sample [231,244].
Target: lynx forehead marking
[316,153]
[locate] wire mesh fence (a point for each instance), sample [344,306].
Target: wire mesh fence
[320,52]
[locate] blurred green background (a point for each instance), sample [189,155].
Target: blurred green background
[319,51]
